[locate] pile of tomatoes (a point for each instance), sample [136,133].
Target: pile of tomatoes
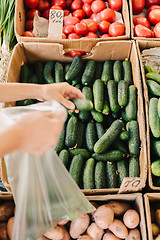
[82,18]
[143,25]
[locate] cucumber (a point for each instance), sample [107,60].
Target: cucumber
[124,135]
[98,72]
[121,146]
[127,72]
[107,72]
[112,94]
[155,168]
[87,92]
[156,147]
[98,94]
[117,71]
[122,93]
[71,132]
[64,156]
[39,71]
[154,87]
[154,120]
[154,76]
[79,86]
[131,108]
[80,135]
[88,174]
[24,74]
[83,105]
[91,137]
[97,116]
[84,116]
[149,69]
[75,169]
[47,72]
[134,141]
[29,102]
[33,79]
[83,152]
[88,74]
[122,167]
[100,130]
[76,80]
[112,156]
[66,67]
[75,69]
[106,108]
[158,107]
[109,137]
[134,167]
[124,117]
[100,175]
[59,72]
[111,176]
[61,143]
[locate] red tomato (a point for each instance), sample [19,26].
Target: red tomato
[94,17]
[105,35]
[79,13]
[141,20]
[43,5]
[104,26]
[152,2]
[115,4]
[81,28]
[64,36]
[73,36]
[91,35]
[76,4]
[97,6]
[60,3]
[156,30]
[152,7]
[107,14]
[30,13]
[68,3]
[87,1]
[141,31]
[71,21]
[68,29]
[87,9]
[154,16]
[29,25]
[92,25]
[116,29]
[28,34]
[76,53]
[66,12]
[46,14]
[31,3]
[138,6]
[56,7]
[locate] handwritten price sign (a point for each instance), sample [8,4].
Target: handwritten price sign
[130,184]
[55,24]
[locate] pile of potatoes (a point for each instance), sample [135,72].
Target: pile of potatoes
[155,220]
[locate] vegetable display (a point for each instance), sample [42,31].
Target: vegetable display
[155,219]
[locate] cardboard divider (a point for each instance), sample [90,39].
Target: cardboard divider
[74,44]
[118,50]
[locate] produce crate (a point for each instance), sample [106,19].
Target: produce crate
[118,50]
[76,44]
[141,45]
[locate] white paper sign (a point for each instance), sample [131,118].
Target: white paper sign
[131,184]
[55,24]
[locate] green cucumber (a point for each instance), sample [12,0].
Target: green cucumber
[83,105]
[29,102]
[134,141]
[111,176]
[149,69]
[100,130]
[127,72]
[107,72]
[80,135]
[154,87]
[33,79]
[106,108]
[87,92]
[121,146]
[61,143]
[71,132]
[79,86]
[134,167]
[83,152]
[97,116]
[75,69]
[66,67]
[39,71]
[154,120]
[124,117]
[122,167]
[124,135]
[59,72]
[158,107]
[98,72]
[122,93]
[64,156]
[76,80]
[100,175]
[154,76]
[98,94]
[131,108]
[155,168]
[88,174]
[112,156]
[47,72]
[88,74]
[75,169]
[112,94]
[91,137]
[84,116]
[117,71]
[156,147]
[24,74]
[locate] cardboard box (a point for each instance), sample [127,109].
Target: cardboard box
[118,50]
[76,44]
[141,45]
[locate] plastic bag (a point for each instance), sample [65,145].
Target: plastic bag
[43,190]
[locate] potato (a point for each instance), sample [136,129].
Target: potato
[118,229]
[6,211]
[65,233]
[3,231]
[79,225]
[104,216]
[133,234]
[157,216]
[95,232]
[85,237]
[92,213]
[10,227]
[110,236]
[42,238]
[119,208]
[155,229]
[63,222]
[131,218]
[55,233]
[157,238]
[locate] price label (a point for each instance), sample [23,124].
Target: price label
[130,184]
[55,24]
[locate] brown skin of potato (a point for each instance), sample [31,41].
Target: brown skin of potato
[155,230]
[10,224]
[133,234]
[119,208]
[6,211]
[3,231]
[157,216]
[118,229]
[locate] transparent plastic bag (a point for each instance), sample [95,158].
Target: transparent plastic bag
[43,190]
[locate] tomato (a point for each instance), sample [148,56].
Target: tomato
[79,13]
[68,3]
[92,25]
[87,1]
[115,4]
[87,9]
[68,29]
[76,4]
[152,2]
[73,36]
[104,26]
[60,3]
[43,5]
[152,7]
[64,36]
[66,12]
[156,30]
[97,6]
[138,6]
[81,28]
[94,17]
[30,13]
[141,20]
[28,34]
[56,7]
[141,31]
[105,35]
[29,25]
[76,53]
[154,16]
[116,29]
[71,21]
[91,35]
[107,14]
[31,3]
[46,14]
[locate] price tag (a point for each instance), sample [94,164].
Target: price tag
[55,24]
[130,184]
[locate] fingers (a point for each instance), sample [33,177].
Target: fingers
[73,92]
[67,103]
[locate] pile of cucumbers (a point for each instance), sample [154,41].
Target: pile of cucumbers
[100,145]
